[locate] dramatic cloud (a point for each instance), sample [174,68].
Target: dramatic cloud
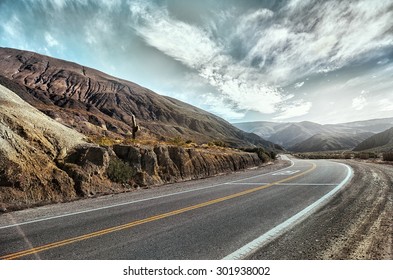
[307,37]
[247,60]
[194,47]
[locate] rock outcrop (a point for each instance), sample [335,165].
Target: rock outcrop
[169,164]
[42,161]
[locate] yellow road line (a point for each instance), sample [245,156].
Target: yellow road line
[146,220]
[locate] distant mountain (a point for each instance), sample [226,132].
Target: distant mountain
[295,133]
[381,142]
[331,136]
[261,128]
[97,104]
[323,142]
[373,125]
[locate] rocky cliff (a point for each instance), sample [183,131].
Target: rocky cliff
[168,164]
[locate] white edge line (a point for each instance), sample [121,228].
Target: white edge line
[275,232]
[285,184]
[136,201]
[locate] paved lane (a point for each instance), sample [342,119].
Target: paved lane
[209,222]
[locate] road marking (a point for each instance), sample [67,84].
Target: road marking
[269,236]
[284,173]
[286,184]
[134,202]
[146,220]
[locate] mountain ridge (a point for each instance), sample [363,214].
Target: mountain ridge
[294,135]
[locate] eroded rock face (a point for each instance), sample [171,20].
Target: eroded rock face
[87,165]
[169,164]
[42,161]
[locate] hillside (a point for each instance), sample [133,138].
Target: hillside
[381,142]
[323,142]
[97,104]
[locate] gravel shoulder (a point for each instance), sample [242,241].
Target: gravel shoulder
[356,224]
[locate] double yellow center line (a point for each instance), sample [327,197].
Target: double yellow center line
[53,245]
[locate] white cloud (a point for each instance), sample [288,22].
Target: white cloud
[295,109]
[383,61]
[50,41]
[184,42]
[12,27]
[298,85]
[219,106]
[359,102]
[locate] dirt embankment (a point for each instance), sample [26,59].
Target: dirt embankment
[356,224]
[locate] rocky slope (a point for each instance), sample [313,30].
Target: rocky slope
[381,142]
[97,104]
[32,146]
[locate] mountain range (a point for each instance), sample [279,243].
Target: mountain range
[308,136]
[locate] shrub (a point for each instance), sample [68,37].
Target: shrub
[178,141]
[218,143]
[347,156]
[388,156]
[104,141]
[119,171]
[364,156]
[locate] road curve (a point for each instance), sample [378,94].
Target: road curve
[221,217]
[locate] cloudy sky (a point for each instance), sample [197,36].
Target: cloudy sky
[244,60]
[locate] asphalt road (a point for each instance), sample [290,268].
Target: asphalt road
[221,217]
